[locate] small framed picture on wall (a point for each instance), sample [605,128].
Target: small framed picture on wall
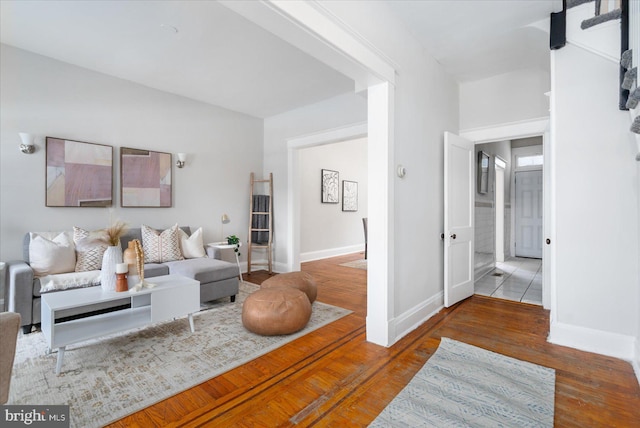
[349,195]
[330,184]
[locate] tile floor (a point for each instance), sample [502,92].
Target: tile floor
[517,279]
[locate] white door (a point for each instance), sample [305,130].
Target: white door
[528,214]
[459,196]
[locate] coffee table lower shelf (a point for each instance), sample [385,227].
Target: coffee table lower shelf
[172,297]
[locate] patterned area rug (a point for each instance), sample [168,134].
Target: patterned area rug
[358,264]
[464,386]
[106,379]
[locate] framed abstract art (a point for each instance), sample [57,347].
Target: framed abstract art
[145,178]
[78,174]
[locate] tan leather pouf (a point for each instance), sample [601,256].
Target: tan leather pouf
[275,311]
[303,281]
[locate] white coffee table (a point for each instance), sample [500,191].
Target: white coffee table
[173,296]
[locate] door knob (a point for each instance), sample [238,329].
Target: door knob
[548,241]
[453,236]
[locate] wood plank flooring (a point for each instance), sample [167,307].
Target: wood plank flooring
[334,377]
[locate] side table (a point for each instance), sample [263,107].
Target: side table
[224,246]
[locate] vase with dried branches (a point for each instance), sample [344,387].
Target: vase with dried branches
[112,256]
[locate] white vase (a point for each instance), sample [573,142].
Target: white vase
[112,256]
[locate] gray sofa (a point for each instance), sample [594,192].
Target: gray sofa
[217,278]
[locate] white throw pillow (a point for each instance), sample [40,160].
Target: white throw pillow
[51,256]
[192,246]
[161,247]
[90,248]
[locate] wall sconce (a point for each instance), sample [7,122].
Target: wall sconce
[182,158]
[27,145]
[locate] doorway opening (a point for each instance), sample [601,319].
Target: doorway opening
[509,222]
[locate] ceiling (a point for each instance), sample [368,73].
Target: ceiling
[204,51]
[474,39]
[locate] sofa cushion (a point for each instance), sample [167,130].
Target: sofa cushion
[160,247]
[90,248]
[192,246]
[51,256]
[153,269]
[204,269]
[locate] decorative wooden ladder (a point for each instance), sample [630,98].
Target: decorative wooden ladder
[261,222]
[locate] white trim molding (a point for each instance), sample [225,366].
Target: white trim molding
[416,316]
[330,252]
[590,340]
[507,131]
[343,133]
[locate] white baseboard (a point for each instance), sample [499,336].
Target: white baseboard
[280,267]
[259,264]
[590,340]
[330,252]
[414,317]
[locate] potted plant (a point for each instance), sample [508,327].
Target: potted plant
[234,240]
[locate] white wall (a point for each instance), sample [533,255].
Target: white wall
[509,97]
[50,98]
[596,189]
[329,114]
[326,230]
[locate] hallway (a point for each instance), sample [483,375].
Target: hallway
[517,279]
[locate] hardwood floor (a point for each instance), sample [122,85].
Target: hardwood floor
[333,377]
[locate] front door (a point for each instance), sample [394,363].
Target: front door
[459,198]
[528,214]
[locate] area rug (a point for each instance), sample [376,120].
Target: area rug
[358,264]
[465,386]
[108,378]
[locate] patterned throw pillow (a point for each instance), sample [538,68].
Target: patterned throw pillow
[161,247]
[89,249]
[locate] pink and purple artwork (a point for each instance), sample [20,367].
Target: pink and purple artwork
[145,178]
[78,174]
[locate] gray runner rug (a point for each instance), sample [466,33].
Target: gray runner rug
[108,378]
[465,386]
